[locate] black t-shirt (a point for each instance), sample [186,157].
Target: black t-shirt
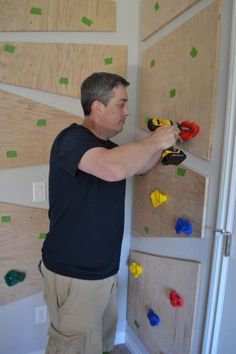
[86,213]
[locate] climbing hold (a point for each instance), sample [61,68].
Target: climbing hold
[175,299]
[158,198]
[183,226]
[188,129]
[135,269]
[12,277]
[153,318]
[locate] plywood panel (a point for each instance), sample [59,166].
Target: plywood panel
[58,68]
[179,77]
[186,192]
[20,248]
[57,15]
[27,130]
[156,14]
[151,290]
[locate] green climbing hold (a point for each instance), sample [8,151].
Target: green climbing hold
[13,277]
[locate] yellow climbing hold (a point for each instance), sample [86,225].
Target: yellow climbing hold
[135,269]
[158,198]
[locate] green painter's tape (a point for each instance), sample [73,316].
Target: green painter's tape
[181,171]
[6,218]
[194,52]
[9,48]
[172,93]
[36,11]
[153,63]
[64,80]
[136,324]
[86,21]
[146,229]
[42,235]
[41,122]
[108,61]
[156,6]
[11,153]
[147,119]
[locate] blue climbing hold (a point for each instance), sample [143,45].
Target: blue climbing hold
[183,226]
[153,318]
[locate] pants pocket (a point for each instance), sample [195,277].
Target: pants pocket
[59,343]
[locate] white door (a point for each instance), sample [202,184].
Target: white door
[212,250]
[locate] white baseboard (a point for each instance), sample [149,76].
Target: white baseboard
[134,345]
[120,338]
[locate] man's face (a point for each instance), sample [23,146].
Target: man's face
[116,111]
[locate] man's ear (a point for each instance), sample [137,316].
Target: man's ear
[97,107]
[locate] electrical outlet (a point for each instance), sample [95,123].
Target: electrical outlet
[39,191]
[40,314]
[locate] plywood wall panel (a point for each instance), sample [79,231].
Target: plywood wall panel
[179,77]
[58,68]
[151,290]
[156,14]
[27,130]
[57,15]
[20,248]
[186,198]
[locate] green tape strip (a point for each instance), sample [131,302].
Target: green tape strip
[194,52]
[11,153]
[86,21]
[156,6]
[146,229]
[6,218]
[153,63]
[181,171]
[36,11]
[9,48]
[147,119]
[64,80]
[172,93]
[41,122]
[136,324]
[108,61]
[42,235]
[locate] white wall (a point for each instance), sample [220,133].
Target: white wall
[18,333]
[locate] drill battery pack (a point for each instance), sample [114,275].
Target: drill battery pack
[172,156]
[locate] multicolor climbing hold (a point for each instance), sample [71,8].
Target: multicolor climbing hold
[183,226]
[153,318]
[175,299]
[135,269]
[158,198]
[12,277]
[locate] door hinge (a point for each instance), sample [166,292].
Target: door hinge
[228,241]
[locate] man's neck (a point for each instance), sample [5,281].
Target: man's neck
[95,128]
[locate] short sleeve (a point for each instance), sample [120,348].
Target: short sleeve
[71,145]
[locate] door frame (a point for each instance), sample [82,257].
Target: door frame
[225,210]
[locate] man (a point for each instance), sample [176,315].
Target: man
[81,253]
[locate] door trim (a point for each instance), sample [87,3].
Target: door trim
[225,210]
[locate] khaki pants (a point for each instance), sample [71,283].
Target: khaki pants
[83,313]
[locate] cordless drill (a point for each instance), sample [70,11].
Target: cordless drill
[172,155]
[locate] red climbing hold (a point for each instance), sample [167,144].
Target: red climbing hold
[175,299]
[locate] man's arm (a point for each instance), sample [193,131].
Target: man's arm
[130,159]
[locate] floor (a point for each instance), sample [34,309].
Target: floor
[120,349]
